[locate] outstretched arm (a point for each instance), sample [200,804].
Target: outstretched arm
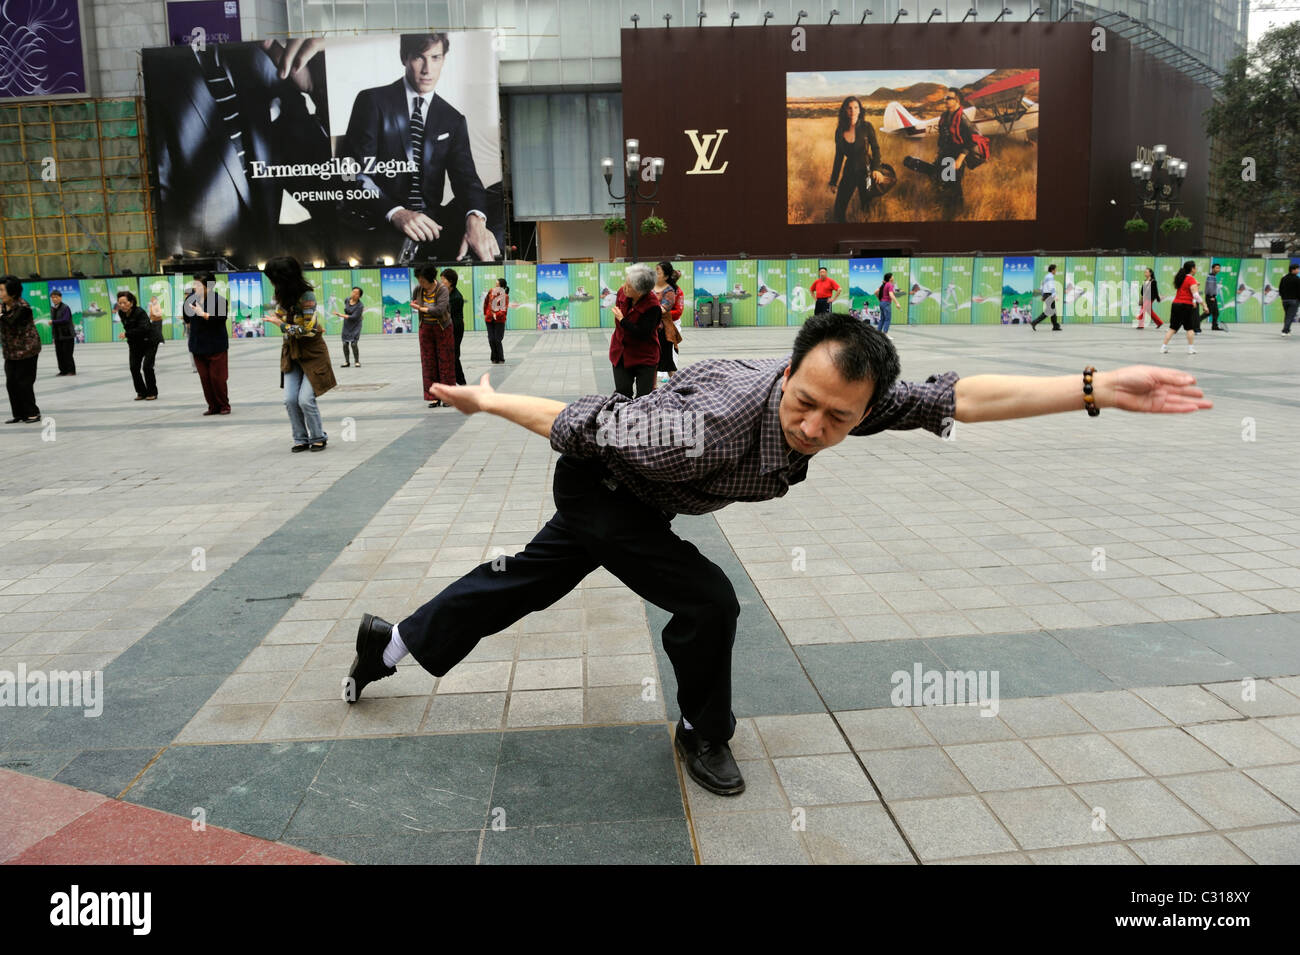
[1145,388]
[535,414]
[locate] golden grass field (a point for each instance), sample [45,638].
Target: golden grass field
[1004,188]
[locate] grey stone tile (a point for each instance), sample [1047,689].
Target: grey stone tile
[477,678]
[621,670]
[1027,664]
[397,848]
[823,780]
[1139,809]
[1167,751]
[1086,855]
[1269,700]
[1041,716]
[1005,858]
[1084,758]
[252,788]
[961,724]
[1189,850]
[1115,710]
[951,827]
[883,728]
[545,708]
[749,838]
[858,676]
[1229,800]
[1287,727]
[762,791]
[307,720]
[547,674]
[1185,704]
[594,774]
[265,687]
[1148,654]
[1279,845]
[622,704]
[802,735]
[107,771]
[1282,781]
[1008,764]
[1245,743]
[385,717]
[460,712]
[226,723]
[45,764]
[918,773]
[861,835]
[640,842]
[399,785]
[1046,818]
[1264,643]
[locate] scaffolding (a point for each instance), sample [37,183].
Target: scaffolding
[74,189]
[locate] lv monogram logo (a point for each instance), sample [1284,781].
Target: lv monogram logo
[704,156]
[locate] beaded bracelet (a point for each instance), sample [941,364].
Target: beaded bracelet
[1089,402]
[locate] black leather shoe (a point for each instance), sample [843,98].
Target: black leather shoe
[368,665]
[709,764]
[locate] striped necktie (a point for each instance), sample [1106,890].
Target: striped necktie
[223,92]
[415,199]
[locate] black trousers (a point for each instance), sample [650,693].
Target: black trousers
[20,382]
[458,332]
[822,306]
[1212,303]
[141,358]
[643,376]
[356,356]
[496,331]
[595,526]
[63,353]
[1049,310]
[844,194]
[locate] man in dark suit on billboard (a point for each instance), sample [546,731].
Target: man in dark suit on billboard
[214,112]
[407,121]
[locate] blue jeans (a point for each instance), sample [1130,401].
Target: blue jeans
[885,309]
[300,401]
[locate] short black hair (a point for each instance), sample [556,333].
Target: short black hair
[864,354]
[13,286]
[451,277]
[207,278]
[128,294]
[357,289]
[55,291]
[1290,268]
[822,268]
[427,272]
[1052,267]
[413,44]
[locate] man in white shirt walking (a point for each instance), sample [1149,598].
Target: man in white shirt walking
[1048,290]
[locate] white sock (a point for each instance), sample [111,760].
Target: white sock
[395,650]
[686,724]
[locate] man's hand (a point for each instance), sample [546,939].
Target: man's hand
[618,313]
[292,57]
[416,225]
[1152,389]
[478,238]
[466,399]
[878,176]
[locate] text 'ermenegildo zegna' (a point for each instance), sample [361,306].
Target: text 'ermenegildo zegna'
[341,166]
[75,908]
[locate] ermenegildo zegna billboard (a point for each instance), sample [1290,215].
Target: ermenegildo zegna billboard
[384,147]
[935,138]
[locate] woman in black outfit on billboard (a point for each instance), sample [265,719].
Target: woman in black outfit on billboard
[853,137]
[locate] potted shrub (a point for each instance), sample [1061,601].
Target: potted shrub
[1137,225]
[1176,224]
[653,225]
[615,227]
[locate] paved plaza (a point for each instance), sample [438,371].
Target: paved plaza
[1132,583]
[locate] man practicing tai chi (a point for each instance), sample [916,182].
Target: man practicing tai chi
[747,430]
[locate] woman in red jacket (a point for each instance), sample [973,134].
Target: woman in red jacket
[1183,314]
[495,306]
[634,346]
[670,300]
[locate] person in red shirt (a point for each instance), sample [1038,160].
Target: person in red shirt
[634,347]
[825,290]
[1183,313]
